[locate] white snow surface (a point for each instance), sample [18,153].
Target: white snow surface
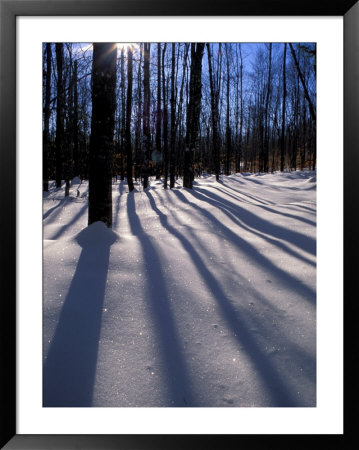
[203,297]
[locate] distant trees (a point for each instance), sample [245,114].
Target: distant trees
[102,132]
[243,107]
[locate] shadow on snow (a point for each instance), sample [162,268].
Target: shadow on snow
[70,366]
[275,385]
[178,382]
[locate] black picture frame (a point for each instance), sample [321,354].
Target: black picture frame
[9,10]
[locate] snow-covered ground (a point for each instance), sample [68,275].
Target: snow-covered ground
[203,297]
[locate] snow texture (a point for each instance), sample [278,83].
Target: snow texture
[203,297]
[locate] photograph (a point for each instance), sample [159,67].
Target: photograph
[178,181]
[179,224]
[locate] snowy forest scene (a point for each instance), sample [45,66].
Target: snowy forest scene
[179,224]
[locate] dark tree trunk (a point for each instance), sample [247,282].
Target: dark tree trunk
[60,134]
[228,126]
[46,134]
[165,117]
[69,133]
[128,120]
[173,119]
[266,113]
[282,138]
[304,133]
[123,114]
[179,121]
[214,115]
[296,106]
[242,108]
[102,129]
[238,106]
[159,112]
[77,168]
[146,113]
[138,140]
[193,111]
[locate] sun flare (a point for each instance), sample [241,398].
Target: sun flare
[124,45]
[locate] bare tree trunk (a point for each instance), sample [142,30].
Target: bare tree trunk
[165,117]
[266,120]
[46,133]
[59,141]
[146,112]
[69,133]
[304,132]
[159,112]
[123,114]
[138,137]
[295,126]
[77,169]
[193,111]
[282,139]
[102,128]
[214,114]
[179,121]
[173,118]
[242,109]
[128,119]
[228,125]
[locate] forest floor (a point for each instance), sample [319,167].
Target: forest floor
[203,297]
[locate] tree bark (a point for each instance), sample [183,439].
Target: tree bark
[138,125]
[214,114]
[77,168]
[46,133]
[193,111]
[102,129]
[159,112]
[173,118]
[165,117]
[128,120]
[60,134]
[282,138]
[266,120]
[228,126]
[123,114]
[146,113]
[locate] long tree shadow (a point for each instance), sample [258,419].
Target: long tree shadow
[178,381]
[276,387]
[249,196]
[266,206]
[231,213]
[249,177]
[51,210]
[121,190]
[252,253]
[294,237]
[305,358]
[306,208]
[72,221]
[291,216]
[70,366]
